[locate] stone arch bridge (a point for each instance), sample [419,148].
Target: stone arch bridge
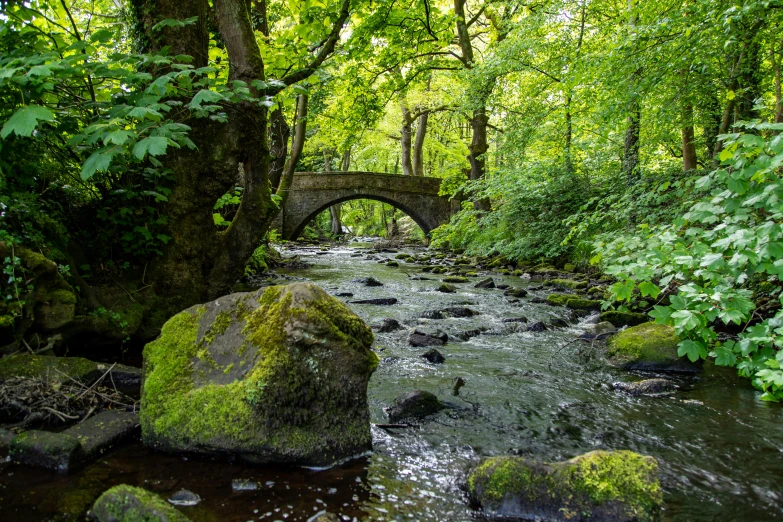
[313,192]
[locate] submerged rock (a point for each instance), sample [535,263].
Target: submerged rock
[645,387]
[485,283]
[601,485]
[383,301]
[277,375]
[515,292]
[413,405]
[537,326]
[431,314]
[388,325]
[522,319]
[433,356]
[459,311]
[426,337]
[447,288]
[648,347]
[368,281]
[125,503]
[602,328]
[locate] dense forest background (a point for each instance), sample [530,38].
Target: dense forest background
[150,144]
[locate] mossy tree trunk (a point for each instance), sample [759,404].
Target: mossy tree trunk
[201,262]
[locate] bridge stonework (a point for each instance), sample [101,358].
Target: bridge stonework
[313,192]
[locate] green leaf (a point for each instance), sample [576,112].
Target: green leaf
[204,95]
[24,120]
[694,350]
[648,288]
[724,354]
[97,162]
[154,146]
[118,137]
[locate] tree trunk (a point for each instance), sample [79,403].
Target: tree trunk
[405,141]
[631,146]
[569,162]
[337,225]
[200,262]
[777,58]
[689,161]
[712,117]
[280,132]
[418,144]
[478,147]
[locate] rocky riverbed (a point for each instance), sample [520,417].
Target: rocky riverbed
[504,365]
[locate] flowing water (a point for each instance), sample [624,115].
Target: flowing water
[525,393]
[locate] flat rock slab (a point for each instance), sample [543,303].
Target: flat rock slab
[54,451]
[70,449]
[103,431]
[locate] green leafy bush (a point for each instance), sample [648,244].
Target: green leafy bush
[716,261]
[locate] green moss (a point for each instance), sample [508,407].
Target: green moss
[583,304]
[218,327]
[125,503]
[622,476]
[619,319]
[648,341]
[392,263]
[455,279]
[287,345]
[559,299]
[567,283]
[447,288]
[569,267]
[622,484]
[61,296]
[57,369]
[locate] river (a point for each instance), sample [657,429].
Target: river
[525,393]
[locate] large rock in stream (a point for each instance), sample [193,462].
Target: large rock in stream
[277,375]
[648,347]
[611,486]
[125,503]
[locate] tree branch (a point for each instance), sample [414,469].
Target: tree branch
[326,50]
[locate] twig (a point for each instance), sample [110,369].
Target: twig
[60,414]
[97,381]
[28,347]
[123,288]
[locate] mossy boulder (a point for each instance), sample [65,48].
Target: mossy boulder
[455,279]
[577,303]
[600,485]
[277,375]
[619,319]
[125,503]
[54,451]
[55,310]
[648,347]
[559,299]
[567,283]
[447,288]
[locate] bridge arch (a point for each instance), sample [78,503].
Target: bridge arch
[311,193]
[412,213]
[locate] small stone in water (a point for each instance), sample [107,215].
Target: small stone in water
[244,485]
[184,497]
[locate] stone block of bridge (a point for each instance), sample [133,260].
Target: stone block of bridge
[311,193]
